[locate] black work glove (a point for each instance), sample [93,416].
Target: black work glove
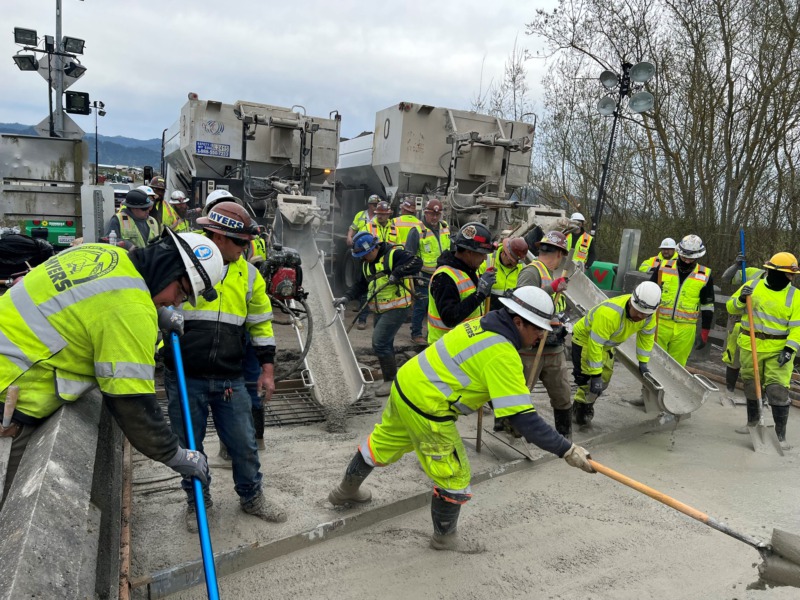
[786,355]
[394,279]
[643,368]
[596,385]
[746,291]
[170,321]
[486,282]
[190,463]
[342,301]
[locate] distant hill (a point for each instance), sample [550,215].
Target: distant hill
[114,150]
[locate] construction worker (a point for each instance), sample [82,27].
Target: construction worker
[730,355]
[581,240]
[687,291]
[178,219]
[595,339]
[87,318]
[552,368]
[213,349]
[428,242]
[776,322]
[407,221]
[383,269]
[163,212]
[507,262]
[665,252]
[381,225]
[362,218]
[476,362]
[456,293]
[133,224]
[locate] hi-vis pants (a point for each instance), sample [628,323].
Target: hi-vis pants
[676,338]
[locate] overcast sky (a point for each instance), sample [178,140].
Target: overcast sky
[357,57]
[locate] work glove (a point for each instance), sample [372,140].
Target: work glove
[746,291]
[786,355]
[190,463]
[643,368]
[702,339]
[394,279]
[559,285]
[740,258]
[170,321]
[342,301]
[486,282]
[578,456]
[596,385]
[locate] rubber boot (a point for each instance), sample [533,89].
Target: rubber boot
[731,375]
[258,421]
[264,509]
[563,422]
[584,413]
[752,416]
[445,528]
[780,414]
[349,490]
[389,370]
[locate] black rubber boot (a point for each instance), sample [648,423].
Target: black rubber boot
[563,422]
[445,528]
[584,413]
[752,416]
[389,370]
[348,490]
[731,375]
[258,422]
[780,414]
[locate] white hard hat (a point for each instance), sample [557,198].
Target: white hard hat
[203,262]
[646,297]
[532,304]
[178,197]
[577,217]
[691,246]
[147,190]
[217,195]
[667,244]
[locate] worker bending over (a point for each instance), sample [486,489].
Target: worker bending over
[507,262]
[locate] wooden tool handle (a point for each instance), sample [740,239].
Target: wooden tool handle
[12,395]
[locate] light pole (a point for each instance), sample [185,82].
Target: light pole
[98,112]
[632,79]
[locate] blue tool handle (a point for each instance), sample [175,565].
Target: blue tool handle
[741,247]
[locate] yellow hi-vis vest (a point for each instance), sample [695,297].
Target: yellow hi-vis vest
[436,327]
[776,317]
[360,221]
[83,318]
[377,274]
[581,246]
[651,263]
[547,283]
[170,218]
[257,247]
[403,225]
[130,232]
[506,277]
[463,371]
[431,246]
[680,302]
[607,326]
[386,233]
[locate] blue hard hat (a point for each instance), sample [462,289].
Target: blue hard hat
[363,243]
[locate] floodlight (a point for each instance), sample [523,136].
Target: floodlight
[26,62]
[641,102]
[606,106]
[25,37]
[609,79]
[73,45]
[74,69]
[642,72]
[101,112]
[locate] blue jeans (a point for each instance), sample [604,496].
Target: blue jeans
[420,313]
[233,421]
[386,327]
[252,370]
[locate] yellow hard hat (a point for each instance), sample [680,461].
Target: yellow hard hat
[783,261]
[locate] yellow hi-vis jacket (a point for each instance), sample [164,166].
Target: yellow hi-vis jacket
[170,218]
[606,326]
[431,246]
[83,318]
[776,317]
[436,327]
[386,233]
[651,263]
[581,246]
[130,232]
[403,225]
[680,302]
[360,221]
[463,371]
[506,276]
[377,274]
[257,247]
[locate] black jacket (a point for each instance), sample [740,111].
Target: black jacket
[444,292]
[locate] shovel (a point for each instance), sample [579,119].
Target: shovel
[5,442]
[781,558]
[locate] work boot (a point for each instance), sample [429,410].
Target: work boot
[563,421]
[584,413]
[389,370]
[264,509]
[258,422]
[419,340]
[752,416]
[445,528]
[349,490]
[223,452]
[361,325]
[190,516]
[780,414]
[731,375]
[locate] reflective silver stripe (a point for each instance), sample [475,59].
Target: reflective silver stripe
[451,363]
[431,375]
[89,289]
[509,401]
[790,295]
[477,347]
[792,344]
[12,353]
[436,322]
[124,370]
[252,273]
[263,341]
[212,315]
[794,323]
[770,318]
[35,320]
[463,408]
[761,328]
[595,365]
[466,490]
[598,339]
[267,316]
[707,307]
[464,286]
[73,388]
